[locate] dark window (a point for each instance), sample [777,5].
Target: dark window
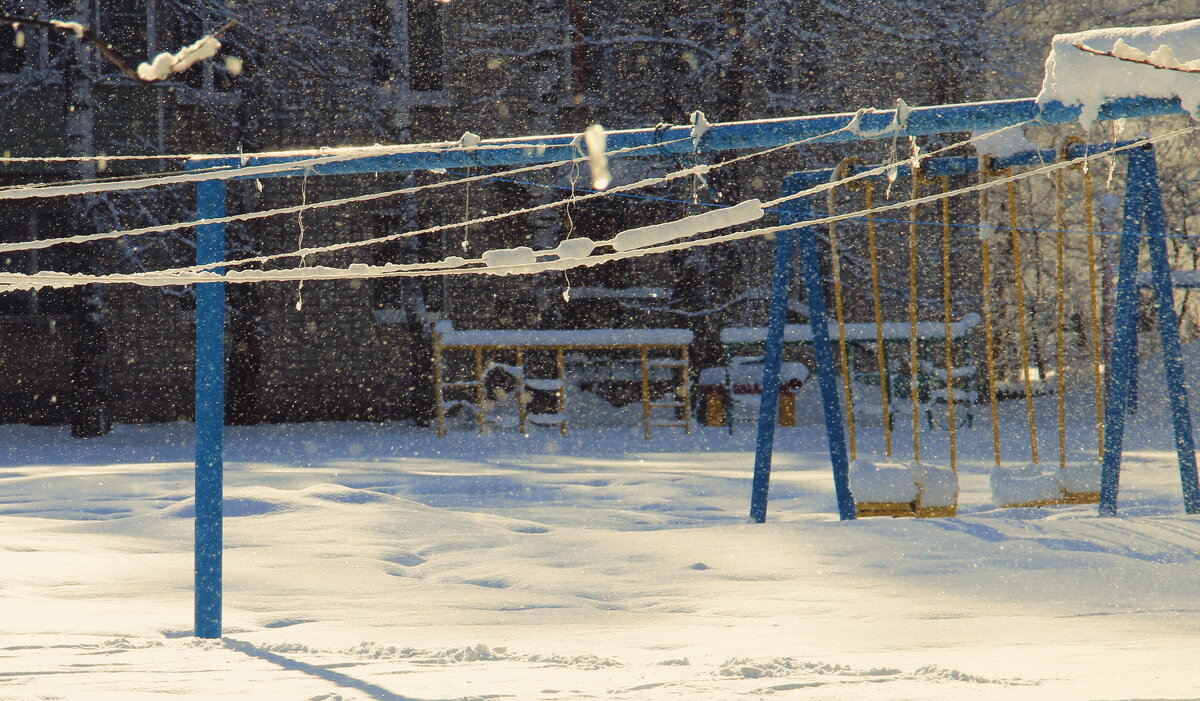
[394,292]
[12,57]
[426,45]
[379,16]
[123,26]
[30,226]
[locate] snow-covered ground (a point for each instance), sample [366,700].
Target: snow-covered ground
[377,562]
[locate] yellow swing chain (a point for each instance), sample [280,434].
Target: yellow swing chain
[1019,285]
[1060,307]
[880,353]
[985,233]
[1097,374]
[913,351]
[836,270]
[946,313]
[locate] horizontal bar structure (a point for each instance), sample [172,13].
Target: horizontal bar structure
[957,165]
[758,134]
[561,338]
[530,150]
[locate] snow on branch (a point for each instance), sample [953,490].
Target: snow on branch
[167,63]
[1162,58]
[162,66]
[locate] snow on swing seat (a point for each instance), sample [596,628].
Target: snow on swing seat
[883,488]
[1029,484]
[937,490]
[1080,482]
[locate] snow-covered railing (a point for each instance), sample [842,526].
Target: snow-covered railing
[448,336]
[892,331]
[655,349]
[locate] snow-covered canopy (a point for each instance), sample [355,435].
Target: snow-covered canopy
[1076,75]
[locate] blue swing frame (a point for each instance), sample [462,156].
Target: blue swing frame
[816,129]
[1143,218]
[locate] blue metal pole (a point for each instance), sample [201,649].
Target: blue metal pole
[765,133]
[1168,330]
[768,406]
[210,413]
[827,377]
[1124,350]
[1134,378]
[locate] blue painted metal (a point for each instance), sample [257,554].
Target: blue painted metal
[961,165]
[768,406]
[818,317]
[210,413]
[1168,330]
[1123,356]
[1144,214]
[822,129]
[827,375]
[1131,405]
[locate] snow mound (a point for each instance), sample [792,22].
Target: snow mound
[1077,76]
[257,503]
[745,668]
[1002,142]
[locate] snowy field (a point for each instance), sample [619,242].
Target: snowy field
[377,562]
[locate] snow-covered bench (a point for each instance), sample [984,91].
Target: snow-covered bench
[656,349]
[931,385]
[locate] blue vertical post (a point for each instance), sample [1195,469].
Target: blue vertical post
[210,412]
[768,407]
[1123,356]
[1168,330]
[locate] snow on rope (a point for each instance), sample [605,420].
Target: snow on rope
[458,266]
[455,265]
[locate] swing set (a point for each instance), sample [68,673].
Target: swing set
[891,486]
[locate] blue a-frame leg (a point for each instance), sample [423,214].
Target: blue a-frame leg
[818,317]
[1143,217]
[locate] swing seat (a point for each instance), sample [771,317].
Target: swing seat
[1080,482]
[937,490]
[1026,485]
[883,488]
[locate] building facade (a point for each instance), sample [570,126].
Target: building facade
[310,74]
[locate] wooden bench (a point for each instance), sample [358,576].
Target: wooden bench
[861,341]
[655,349]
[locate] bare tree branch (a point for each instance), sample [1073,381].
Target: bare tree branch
[81,32]
[1144,62]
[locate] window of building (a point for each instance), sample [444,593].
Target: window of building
[32,225]
[125,25]
[410,39]
[395,294]
[14,49]
[426,46]
[26,49]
